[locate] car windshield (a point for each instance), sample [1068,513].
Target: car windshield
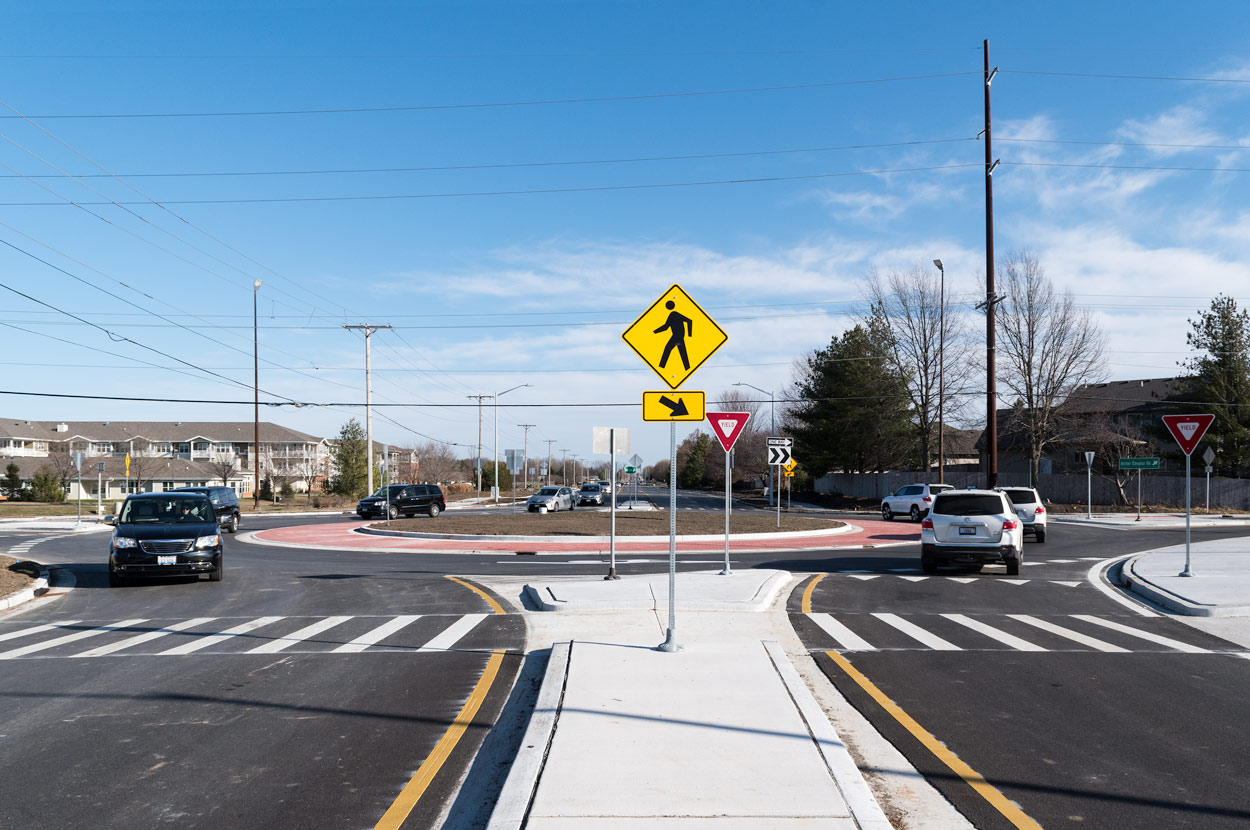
[548,491]
[395,489]
[169,510]
[590,488]
[1021,496]
[968,504]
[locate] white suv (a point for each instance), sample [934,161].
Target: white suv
[1029,508]
[973,527]
[912,500]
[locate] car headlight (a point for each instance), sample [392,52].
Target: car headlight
[205,542]
[123,542]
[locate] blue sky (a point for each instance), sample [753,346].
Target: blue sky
[490,291]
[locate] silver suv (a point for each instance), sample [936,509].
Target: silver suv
[912,500]
[974,527]
[1029,508]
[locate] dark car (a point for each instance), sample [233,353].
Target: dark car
[405,499]
[225,505]
[165,535]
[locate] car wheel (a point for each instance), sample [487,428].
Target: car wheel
[915,513]
[1013,565]
[216,574]
[1041,535]
[928,565]
[435,510]
[393,512]
[234,524]
[886,513]
[116,580]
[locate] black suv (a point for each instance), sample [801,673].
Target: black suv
[164,534]
[225,505]
[408,499]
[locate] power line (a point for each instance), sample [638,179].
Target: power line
[1127,77]
[504,104]
[1128,167]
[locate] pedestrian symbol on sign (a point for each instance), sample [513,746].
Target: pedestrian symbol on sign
[678,326]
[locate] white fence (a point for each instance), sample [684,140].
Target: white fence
[1157,488]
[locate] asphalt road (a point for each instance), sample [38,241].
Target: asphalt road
[271,727]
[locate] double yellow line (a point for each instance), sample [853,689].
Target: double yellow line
[967,774]
[398,812]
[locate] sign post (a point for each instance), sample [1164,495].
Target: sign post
[127,474]
[1188,431]
[778,456]
[674,336]
[1089,485]
[727,427]
[609,440]
[78,458]
[99,488]
[1139,464]
[1209,457]
[386,481]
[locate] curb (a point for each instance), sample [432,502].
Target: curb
[761,601]
[1161,596]
[38,589]
[592,540]
[522,782]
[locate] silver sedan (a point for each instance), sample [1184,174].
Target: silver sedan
[551,499]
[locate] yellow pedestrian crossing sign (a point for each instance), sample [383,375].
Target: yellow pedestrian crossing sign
[674,336]
[790,465]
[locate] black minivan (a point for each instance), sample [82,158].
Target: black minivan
[225,505]
[408,499]
[164,535]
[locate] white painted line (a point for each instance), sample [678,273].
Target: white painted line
[1013,581]
[1074,636]
[280,643]
[213,639]
[373,637]
[1145,635]
[36,630]
[994,634]
[139,639]
[1068,584]
[963,579]
[915,578]
[847,639]
[453,633]
[917,633]
[863,576]
[1093,578]
[1091,558]
[1060,561]
[68,638]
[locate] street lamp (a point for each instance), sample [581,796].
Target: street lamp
[256,400]
[497,394]
[941,376]
[773,427]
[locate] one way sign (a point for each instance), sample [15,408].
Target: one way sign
[779,451]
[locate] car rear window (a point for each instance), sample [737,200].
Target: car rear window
[939,488]
[967,504]
[1021,496]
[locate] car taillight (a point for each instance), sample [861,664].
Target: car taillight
[1039,511]
[927,524]
[1010,525]
[926,498]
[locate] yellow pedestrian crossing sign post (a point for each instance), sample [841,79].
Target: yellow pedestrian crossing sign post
[790,465]
[674,337]
[673,406]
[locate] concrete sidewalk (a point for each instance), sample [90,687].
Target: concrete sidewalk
[1219,587]
[723,734]
[1152,521]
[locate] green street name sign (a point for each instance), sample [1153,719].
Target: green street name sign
[1139,463]
[631,469]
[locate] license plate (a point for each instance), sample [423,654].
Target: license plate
[967,531]
[167,560]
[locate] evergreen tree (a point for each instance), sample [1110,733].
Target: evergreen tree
[349,459]
[692,475]
[1222,376]
[46,486]
[11,484]
[488,476]
[853,412]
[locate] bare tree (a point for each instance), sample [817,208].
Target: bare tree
[142,459]
[438,461]
[63,463]
[1048,348]
[224,468]
[750,454]
[921,328]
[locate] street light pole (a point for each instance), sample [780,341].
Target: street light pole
[477,462]
[525,453]
[368,330]
[550,469]
[942,382]
[495,487]
[772,419]
[564,466]
[256,400]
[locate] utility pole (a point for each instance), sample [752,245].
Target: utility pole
[564,466]
[525,455]
[256,400]
[991,384]
[477,462]
[549,442]
[368,330]
[941,375]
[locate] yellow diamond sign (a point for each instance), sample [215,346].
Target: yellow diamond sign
[674,336]
[790,465]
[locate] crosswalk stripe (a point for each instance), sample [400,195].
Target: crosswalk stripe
[1061,561]
[916,632]
[68,638]
[847,639]
[453,633]
[213,639]
[863,576]
[376,635]
[281,643]
[994,634]
[146,637]
[36,630]
[1135,632]
[1074,636]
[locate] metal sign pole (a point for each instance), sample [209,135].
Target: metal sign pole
[727,571]
[778,500]
[78,521]
[670,640]
[1139,495]
[1208,501]
[612,532]
[1187,571]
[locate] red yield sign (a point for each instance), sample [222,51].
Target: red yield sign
[1188,429]
[728,426]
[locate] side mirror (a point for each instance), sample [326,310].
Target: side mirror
[110,520]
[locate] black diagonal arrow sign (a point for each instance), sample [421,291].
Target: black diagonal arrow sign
[677,407]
